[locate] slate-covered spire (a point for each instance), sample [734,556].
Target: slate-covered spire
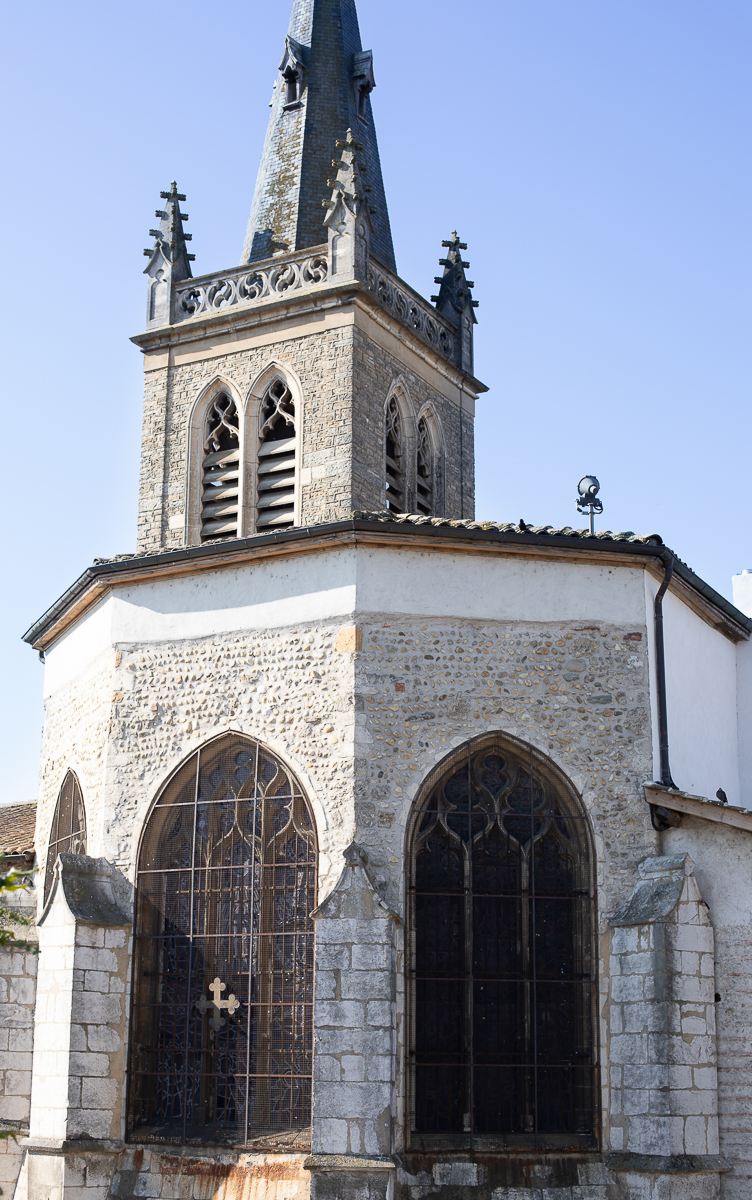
[169,260]
[322,89]
[455,300]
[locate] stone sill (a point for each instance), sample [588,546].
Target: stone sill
[667,1164]
[70,1146]
[346,1162]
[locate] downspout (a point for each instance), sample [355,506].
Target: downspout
[662,818]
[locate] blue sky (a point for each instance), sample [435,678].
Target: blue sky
[594,154]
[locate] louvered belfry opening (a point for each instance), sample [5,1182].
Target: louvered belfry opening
[395,479]
[68,832]
[222,1017]
[220,491]
[276,459]
[424,470]
[502,965]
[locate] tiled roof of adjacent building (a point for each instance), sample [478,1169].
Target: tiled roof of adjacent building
[17,824]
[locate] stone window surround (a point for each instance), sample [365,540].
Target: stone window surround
[72,768]
[249,412]
[400,392]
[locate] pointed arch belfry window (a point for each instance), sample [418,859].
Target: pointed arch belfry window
[220,476]
[502,972]
[221,1026]
[277,454]
[393,455]
[68,832]
[424,470]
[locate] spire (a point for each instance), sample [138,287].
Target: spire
[169,260]
[455,300]
[322,89]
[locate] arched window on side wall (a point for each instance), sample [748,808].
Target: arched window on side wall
[68,832]
[222,1018]
[395,472]
[220,479]
[275,507]
[502,969]
[425,470]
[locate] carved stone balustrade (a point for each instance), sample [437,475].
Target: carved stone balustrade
[249,284]
[412,310]
[302,272]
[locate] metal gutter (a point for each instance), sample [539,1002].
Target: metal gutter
[470,533]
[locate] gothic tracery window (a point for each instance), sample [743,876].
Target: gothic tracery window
[276,459]
[68,832]
[222,1031]
[425,470]
[502,970]
[395,477]
[220,478]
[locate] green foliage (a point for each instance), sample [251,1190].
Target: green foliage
[14,881]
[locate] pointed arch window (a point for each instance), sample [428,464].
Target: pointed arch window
[68,832]
[275,506]
[502,967]
[395,477]
[221,1025]
[220,478]
[425,470]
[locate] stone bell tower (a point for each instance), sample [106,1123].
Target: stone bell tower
[310,381]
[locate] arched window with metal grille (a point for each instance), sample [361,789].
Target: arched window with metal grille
[502,962]
[393,456]
[68,832]
[222,1017]
[220,477]
[275,505]
[424,470]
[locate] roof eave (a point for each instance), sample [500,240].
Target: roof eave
[96,580]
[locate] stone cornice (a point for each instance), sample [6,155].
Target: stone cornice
[233,322]
[100,578]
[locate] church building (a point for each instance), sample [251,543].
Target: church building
[383,854]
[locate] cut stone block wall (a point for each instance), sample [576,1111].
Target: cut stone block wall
[661,1036]
[354,1018]
[78,1070]
[18,977]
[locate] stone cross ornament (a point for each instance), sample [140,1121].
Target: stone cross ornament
[231,1004]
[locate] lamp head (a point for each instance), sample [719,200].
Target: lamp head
[588,489]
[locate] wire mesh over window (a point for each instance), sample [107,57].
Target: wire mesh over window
[221,1027]
[220,493]
[424,470]
[276,460]
[68,833]
[502,963]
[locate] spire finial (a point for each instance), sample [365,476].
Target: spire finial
[455,300]
[170,237]
[348,213]
[169,260]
